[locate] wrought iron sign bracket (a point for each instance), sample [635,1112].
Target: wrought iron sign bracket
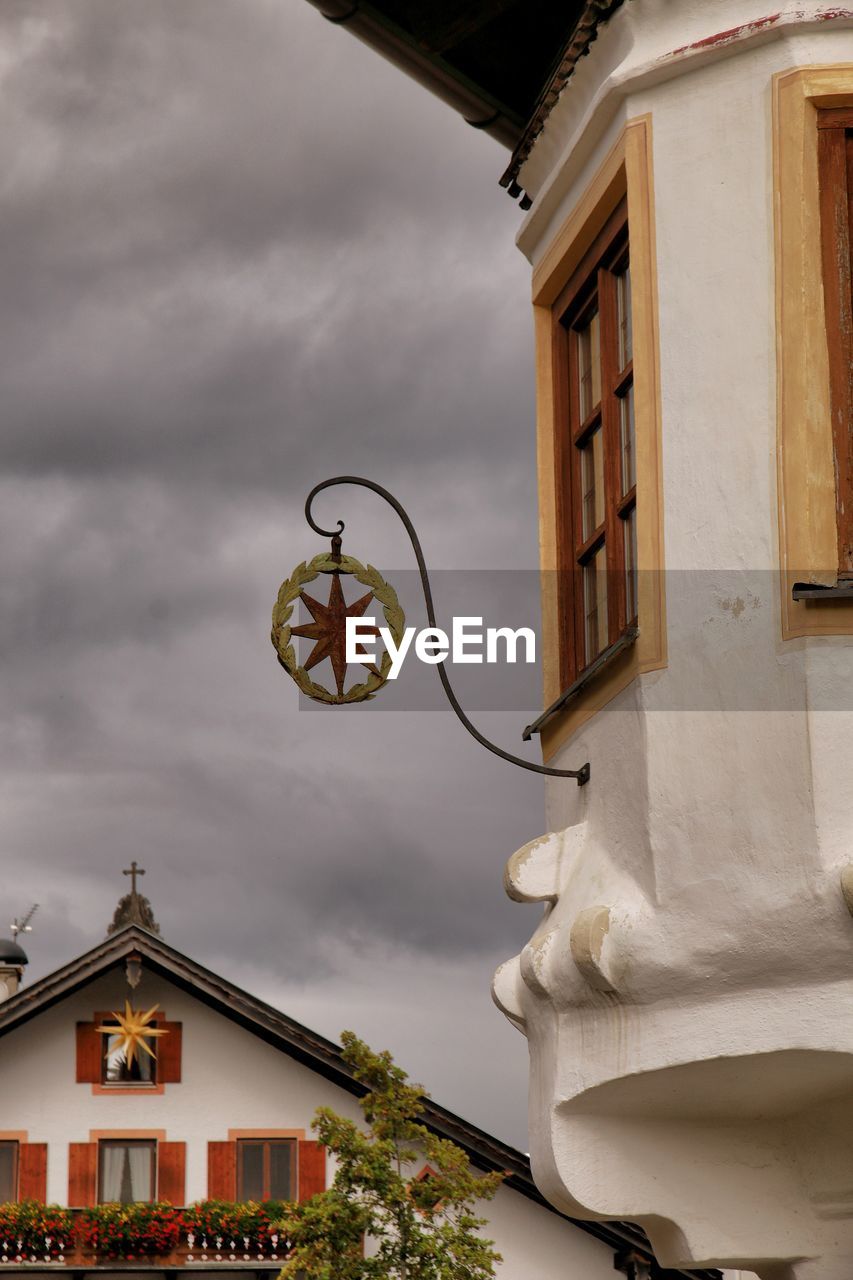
[580,775]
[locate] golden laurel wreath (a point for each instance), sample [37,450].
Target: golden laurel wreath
[289,593]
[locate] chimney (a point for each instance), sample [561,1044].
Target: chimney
[13,959]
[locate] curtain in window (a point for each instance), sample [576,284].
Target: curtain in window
[126,1173]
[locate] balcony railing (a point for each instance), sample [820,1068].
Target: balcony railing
[67,1240]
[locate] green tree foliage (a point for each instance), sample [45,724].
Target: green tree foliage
[418,1228]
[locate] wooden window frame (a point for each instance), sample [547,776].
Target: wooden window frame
[150,1143]
[835,177]
[16,1166]
[266,1143]
[626,170]
[592,285]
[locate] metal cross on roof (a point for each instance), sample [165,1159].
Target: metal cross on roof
[133,871]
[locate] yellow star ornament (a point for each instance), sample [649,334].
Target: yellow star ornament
[134,1030]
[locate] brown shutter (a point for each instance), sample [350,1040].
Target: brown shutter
[171,1171]
[89,1049]
[222,1170]
[312,1169]
[82,1174]
[168,1052]
[32,1171]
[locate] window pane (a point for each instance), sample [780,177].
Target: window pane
[623,302]
[8,1161]
[592,482]
[630,536]
[281,1170]
[589,366]
[595,604]
[126,1172]
[116,1070]
[626,422]
[250,1173]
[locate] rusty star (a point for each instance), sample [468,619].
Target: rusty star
[329,629]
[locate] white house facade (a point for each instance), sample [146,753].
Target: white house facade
[223,1113]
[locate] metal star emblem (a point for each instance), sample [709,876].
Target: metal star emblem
[329,629]
[135,1030]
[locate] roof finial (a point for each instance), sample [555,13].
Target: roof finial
[134,907]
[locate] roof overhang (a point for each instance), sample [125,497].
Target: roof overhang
[502,64]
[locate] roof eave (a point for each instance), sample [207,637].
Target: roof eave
[594,13]
[478,108]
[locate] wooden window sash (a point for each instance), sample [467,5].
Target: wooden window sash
[592,286]
[835,165]
[266,1145]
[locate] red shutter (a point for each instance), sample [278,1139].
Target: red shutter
[168,1052]
[82,1174]
[312,1169]
[171,1171]
[89,1049]
[222,1170]
[32,1171]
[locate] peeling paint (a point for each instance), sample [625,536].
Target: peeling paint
[732,34]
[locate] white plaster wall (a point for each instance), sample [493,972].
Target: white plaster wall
[720,783]
[720,812]
[230,1080]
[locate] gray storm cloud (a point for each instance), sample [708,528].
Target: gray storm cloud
[241,253]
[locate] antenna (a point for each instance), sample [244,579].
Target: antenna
[24,926]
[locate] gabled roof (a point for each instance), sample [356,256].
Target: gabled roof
[501,63]
[314,1051]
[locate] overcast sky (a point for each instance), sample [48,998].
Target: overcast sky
[240,253]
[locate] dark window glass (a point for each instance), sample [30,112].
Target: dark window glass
[251,1171]
[8,1172]
[281,1170]
[266,1168]
[126,1171]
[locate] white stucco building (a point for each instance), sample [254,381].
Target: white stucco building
[687,167]
[224,1113]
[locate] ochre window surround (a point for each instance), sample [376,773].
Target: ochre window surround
[624,176]
[808,524]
